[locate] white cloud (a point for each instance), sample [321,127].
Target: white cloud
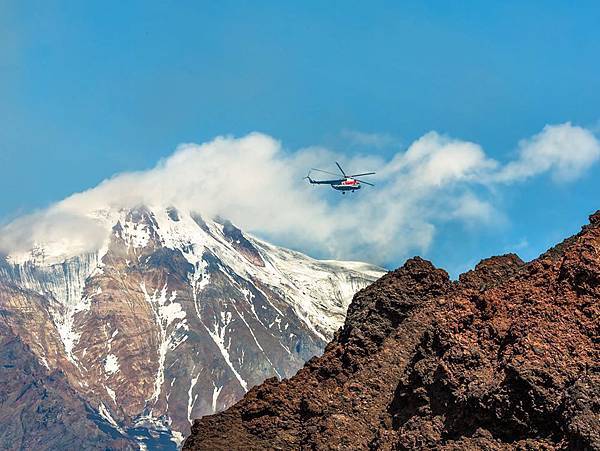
[470,208]
[256,184]
[564,150]
[436,160]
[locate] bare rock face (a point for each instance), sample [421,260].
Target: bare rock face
[505,358]
[39,409]
[174,318]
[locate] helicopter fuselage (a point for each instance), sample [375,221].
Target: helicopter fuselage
[346,185]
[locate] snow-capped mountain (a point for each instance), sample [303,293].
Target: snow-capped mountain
[172,318]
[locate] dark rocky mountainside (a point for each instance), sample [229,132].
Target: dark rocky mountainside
[39,410]
[508,357]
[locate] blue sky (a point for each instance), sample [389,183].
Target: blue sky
[90,89]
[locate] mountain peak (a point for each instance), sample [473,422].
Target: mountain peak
[173,316]
[595,218]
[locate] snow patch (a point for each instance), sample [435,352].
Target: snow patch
[256,340]
[215,396]
[111,365]
[105,413]
[218,336]
[166,312]
[191,401]
[111,393]
[177,437]
[135,234]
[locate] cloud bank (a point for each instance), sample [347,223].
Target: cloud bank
[563,150]
[257,184]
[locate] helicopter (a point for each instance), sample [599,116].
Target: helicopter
[343,184]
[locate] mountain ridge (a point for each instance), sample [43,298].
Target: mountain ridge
[504,358]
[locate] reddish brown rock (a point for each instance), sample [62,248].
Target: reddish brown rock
[508,357]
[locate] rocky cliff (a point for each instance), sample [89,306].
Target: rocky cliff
[508,357]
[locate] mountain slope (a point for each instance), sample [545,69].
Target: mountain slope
[505,358]
[39,410]
[174,317]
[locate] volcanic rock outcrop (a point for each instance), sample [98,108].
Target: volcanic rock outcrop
[508,357]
